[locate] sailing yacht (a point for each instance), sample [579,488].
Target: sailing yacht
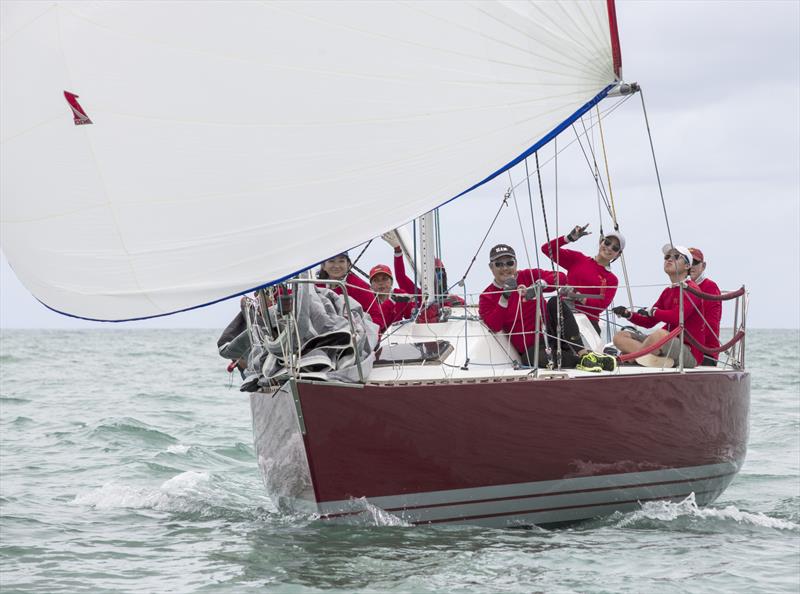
[186,159]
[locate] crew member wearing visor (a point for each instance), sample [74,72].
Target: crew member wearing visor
[666,310]
[712,310]
[388,305]
[508,304]
[589,275]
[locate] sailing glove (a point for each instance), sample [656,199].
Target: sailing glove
[621,311]
[644,312]
[577,233]
[391,238]
[509,286]
[530,293]
[401,298]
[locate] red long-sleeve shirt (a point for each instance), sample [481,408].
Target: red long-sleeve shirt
[407,286]
[357,288]
[712,313]
[518,318]
[585,275]
[390,311]
[667,311]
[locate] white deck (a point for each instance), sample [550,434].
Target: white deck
[486,354]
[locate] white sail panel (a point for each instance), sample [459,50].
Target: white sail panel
[234,144]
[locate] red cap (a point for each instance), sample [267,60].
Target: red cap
[380,269]
[697,254]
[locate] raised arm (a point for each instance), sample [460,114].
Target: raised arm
[406,284]
[557,253]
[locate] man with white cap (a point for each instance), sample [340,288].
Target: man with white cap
[589,275]
[677,260]
[712,310]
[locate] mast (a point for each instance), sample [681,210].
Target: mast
[427,263]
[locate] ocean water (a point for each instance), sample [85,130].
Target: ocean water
[127,465]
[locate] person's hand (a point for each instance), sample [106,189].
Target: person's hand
[643,311]
[578,232]
[568,293]
[391,238]
[539,286]
[401,298]
[621,311]
[509,286]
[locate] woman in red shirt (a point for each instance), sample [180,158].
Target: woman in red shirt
[589,275]
[338,268]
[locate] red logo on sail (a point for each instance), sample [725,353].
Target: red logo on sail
[77,111]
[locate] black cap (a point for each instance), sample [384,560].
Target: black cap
[501,250]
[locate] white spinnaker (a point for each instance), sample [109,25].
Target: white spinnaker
[234,144]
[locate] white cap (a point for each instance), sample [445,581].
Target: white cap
[620,238]
[683,251]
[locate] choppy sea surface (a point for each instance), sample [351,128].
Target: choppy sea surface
[127,465]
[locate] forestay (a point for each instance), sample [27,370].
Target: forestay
[235,144]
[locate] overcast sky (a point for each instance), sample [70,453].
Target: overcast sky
[722,89]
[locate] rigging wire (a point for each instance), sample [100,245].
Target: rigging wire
[558,259]
[533,218]
[593,167]
[605,113]
[460,282]
[519,220]
[354,262]
[600,186]
[608,173]
[655,164]
[614,213]
[547,349]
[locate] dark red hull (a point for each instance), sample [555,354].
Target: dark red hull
[511,450]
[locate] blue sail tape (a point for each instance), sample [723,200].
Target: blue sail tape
[527,153]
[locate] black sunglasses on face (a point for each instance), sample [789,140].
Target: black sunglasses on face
[675,257]
[611,244]
[505,263]
[696,262]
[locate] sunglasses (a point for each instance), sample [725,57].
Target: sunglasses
[504,263]
[675,257]
[608,243]
[696,262]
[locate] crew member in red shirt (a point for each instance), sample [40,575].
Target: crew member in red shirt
[587,275]
[712,310]
[666,309]
[388,306]
[339,268]
[432,313]
[505,305]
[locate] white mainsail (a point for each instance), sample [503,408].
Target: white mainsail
[232,145]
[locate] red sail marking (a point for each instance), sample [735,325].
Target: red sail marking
[615,50]
[77,111]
